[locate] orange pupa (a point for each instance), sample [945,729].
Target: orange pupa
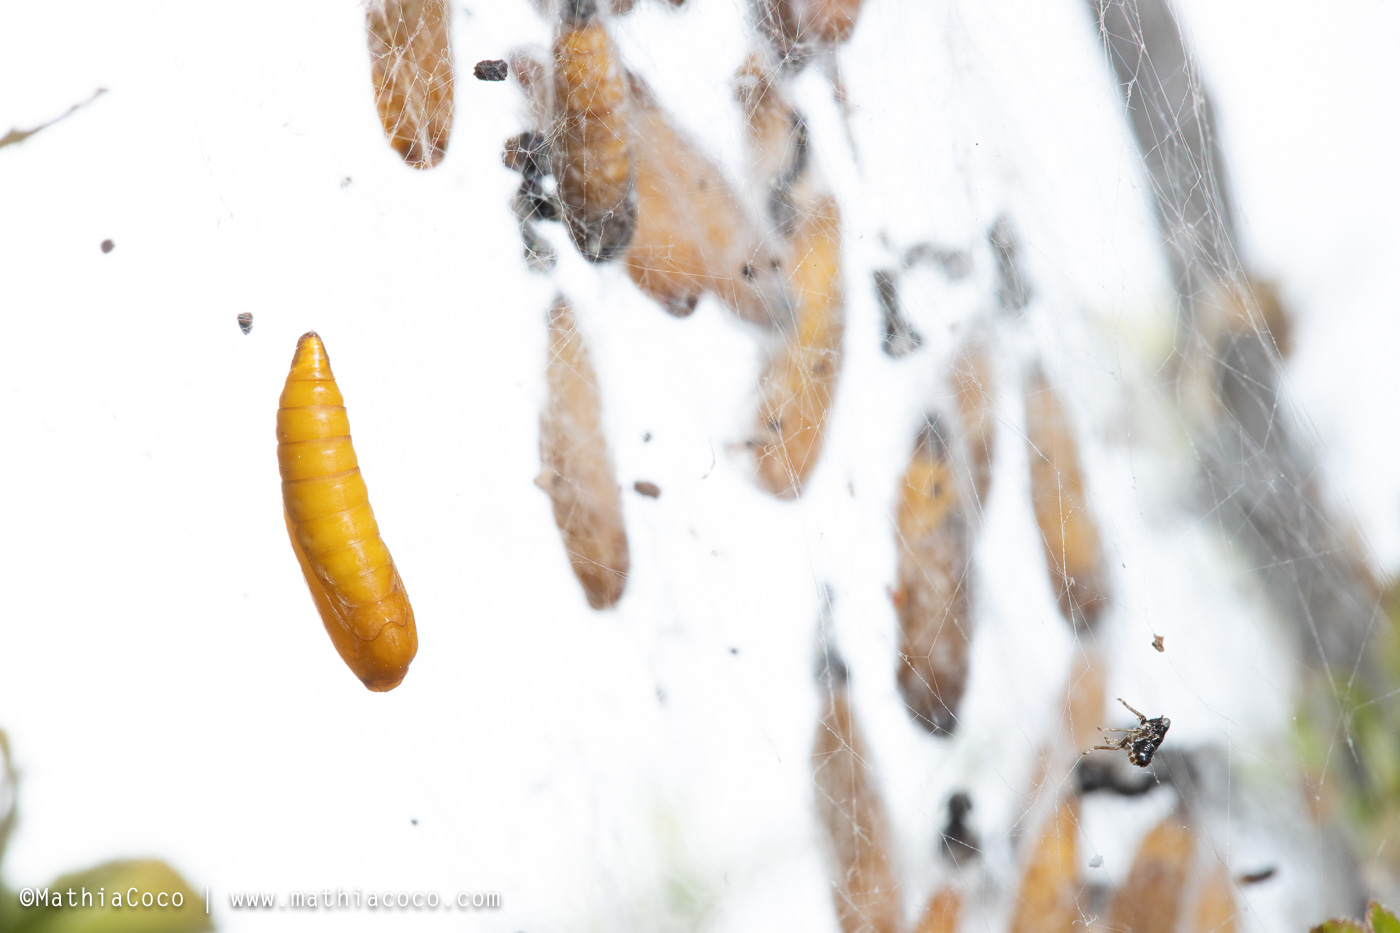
[352,577]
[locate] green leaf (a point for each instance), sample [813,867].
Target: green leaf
[1339,925]
[1380,919]
[105,908]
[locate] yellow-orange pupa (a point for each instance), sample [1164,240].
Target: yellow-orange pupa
[352,577]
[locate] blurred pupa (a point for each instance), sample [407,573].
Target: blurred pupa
[1068,531]
[410,46]
[932,598]
[865,889]
[799,385]
[576,469]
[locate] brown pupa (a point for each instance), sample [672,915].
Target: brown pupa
[866,892]
[799,385]
[1073,552]
[1050,884]
[590,154]
[931,599]
[576,469]
[1150,898]
[692,235]
[410,47]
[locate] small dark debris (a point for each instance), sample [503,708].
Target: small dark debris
[959,840]
[345,182]
[650,490]
[1012,290]
[108,246]
[646,438]
[1255,877]
[493,69]
[734,651]
[245,321]
[901,338]
[413,821]
[1157,643]
[528,154]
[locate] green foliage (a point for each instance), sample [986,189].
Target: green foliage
[67,913]
[1378,920]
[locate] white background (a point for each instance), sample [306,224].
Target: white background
[165,682]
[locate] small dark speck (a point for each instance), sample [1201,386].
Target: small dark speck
[245,321]
[650,490]
[413,821]
[1157,643]
[734,651]
[646,438]
[108,246]
[491,70]
[1255,877]
[345,182]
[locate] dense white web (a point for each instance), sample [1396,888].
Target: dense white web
[1018,252]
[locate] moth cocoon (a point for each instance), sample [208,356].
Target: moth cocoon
[577,471]
[1048,897]
[1073,552]
[352,577]
[590,155]
[799,385]
[865,889]
[974,384]
[932,598]
[692,235]
[1150,900]
[410,46]
[942,911]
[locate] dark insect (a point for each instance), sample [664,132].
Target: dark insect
[1142,741]
[491,70]
[245,321]
[650,490]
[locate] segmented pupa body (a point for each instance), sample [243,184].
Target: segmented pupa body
[932,598]
[410,45]
[590,155]
[692,235]
[352,576]
[577,471]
